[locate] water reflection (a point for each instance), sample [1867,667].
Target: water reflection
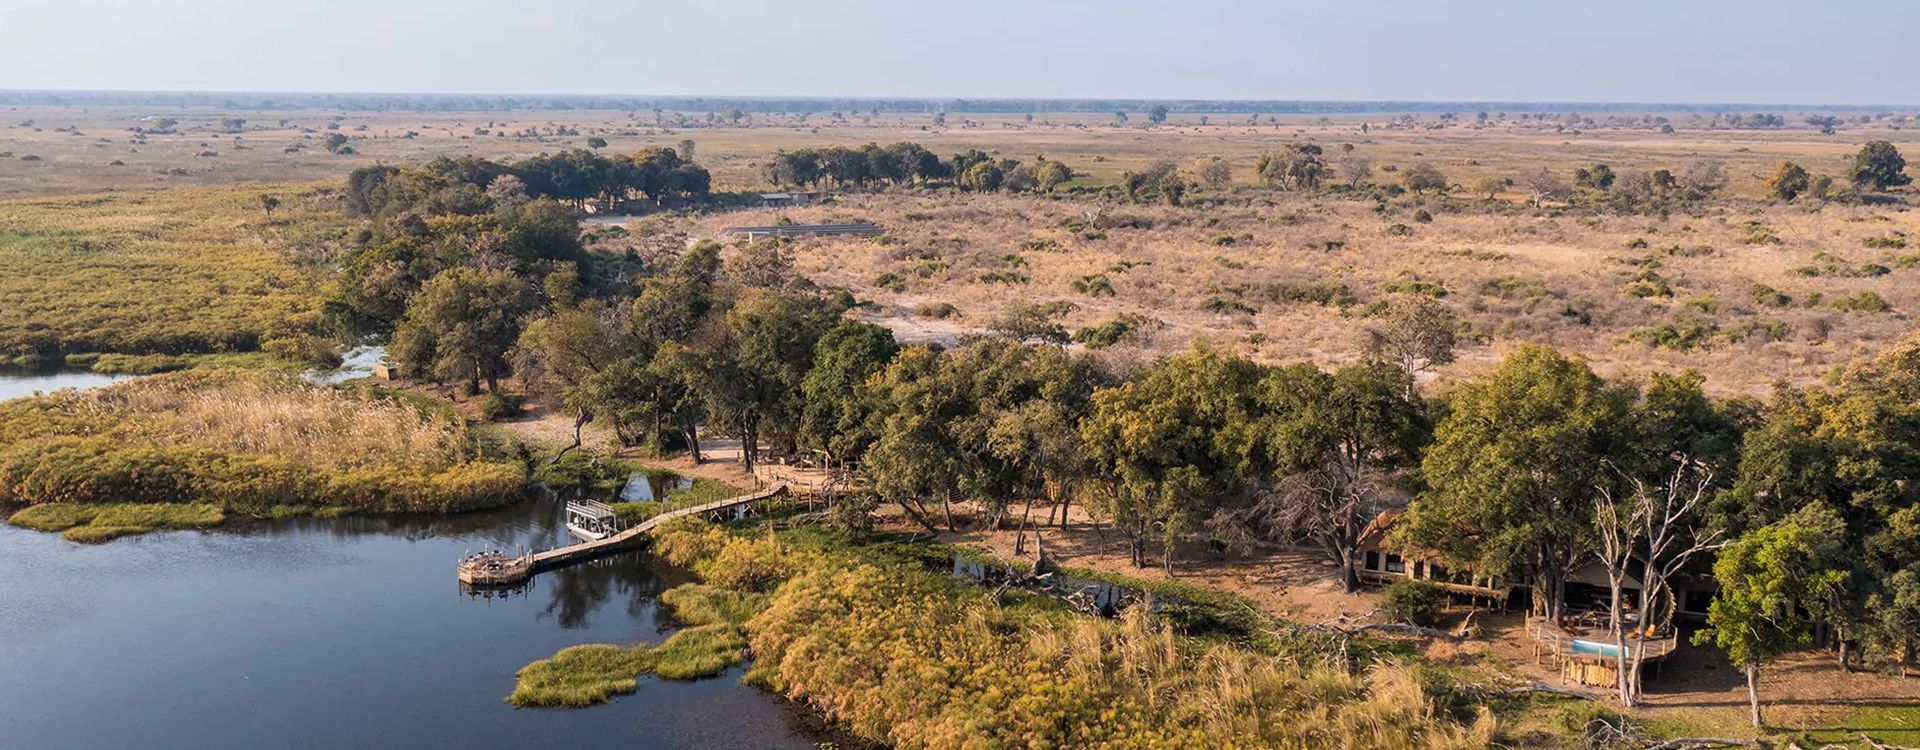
[642,486]
[329,633]
[21,384]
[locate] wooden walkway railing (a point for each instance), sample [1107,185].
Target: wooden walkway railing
[570,554]
[493,569]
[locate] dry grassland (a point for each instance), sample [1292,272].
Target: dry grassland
[1238,266]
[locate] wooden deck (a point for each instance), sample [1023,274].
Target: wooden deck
[564,556]
[517,570]
[1582,665]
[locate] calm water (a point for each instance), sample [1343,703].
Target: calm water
[642,487]
[16,384]
[348,633]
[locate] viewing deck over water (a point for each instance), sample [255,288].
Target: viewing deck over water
[529,565]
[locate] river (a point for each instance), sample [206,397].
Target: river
[341,633]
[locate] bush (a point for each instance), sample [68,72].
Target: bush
[1409,600]
[1865,302]
[936,310]
[498,406]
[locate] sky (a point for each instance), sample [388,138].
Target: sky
[1683,51]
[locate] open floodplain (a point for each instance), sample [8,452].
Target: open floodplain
[316,355]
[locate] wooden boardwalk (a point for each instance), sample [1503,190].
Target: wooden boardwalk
[568,555]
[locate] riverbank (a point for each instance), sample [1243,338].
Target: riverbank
[247,442]
[291,624]
[904,654]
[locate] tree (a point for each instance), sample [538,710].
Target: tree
[269,203]
[1048,174]
[1337,440]
[1298,166]
[596,143]
[1545,185]
[1157,115]
[1216,172]
[685,149]
[460,325]
[1423,177]
[1789,180]
[1661,529]
[1703,177]
[1512,470]
[1033,321]
[336,143]
[983,177]
[1600,177]
[1355,169]
[1415,333]
[1172,445]
[569,351]
[1765,576]
[1879,166]
[836,402]
[758,371]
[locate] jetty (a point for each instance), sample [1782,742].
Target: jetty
[513,570]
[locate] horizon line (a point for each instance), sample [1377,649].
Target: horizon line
[944,99]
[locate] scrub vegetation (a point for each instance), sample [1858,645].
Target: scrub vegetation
[240,441]
[162,273]
[912,658]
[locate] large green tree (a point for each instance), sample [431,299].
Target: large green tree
[1879,166]
[1767,577]
[461,324]
[1173,445]
[1513,469]
[836,400]
[1339,441]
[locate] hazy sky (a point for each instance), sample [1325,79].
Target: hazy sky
[1763,51]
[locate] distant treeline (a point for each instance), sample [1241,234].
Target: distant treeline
[463,185]
[503,102]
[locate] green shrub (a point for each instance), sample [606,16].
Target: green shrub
[1864,302]
[1095,285]
[936,310]
[1414,601]
[498,406]
[891,282]
[1415,286]
[1678,337]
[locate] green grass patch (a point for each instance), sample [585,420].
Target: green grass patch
[1891,725]
[100,522]
[701,604]
[587,675]
[703,651]
[150,364]
[580,676]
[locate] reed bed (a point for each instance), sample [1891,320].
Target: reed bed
[914,659]
[244,441]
